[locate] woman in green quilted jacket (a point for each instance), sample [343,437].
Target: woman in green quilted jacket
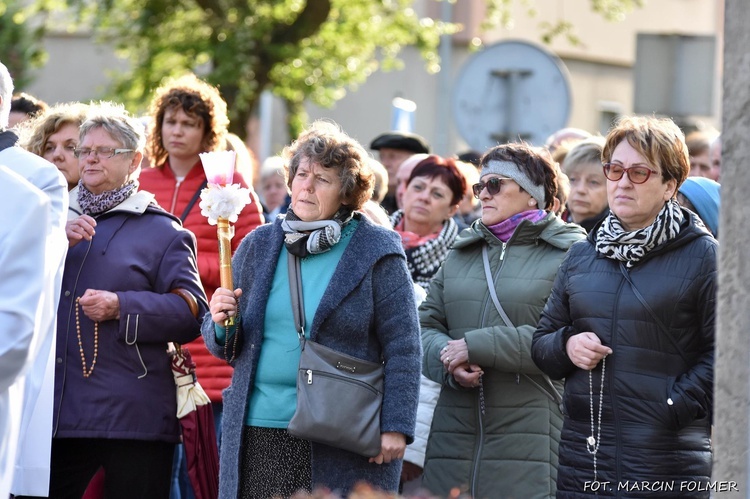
[497,422]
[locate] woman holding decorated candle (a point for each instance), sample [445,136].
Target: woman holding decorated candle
[496,424]
[630,326]
[358,300]
[190,117]
[130,286]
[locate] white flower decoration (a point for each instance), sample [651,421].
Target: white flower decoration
[223,202]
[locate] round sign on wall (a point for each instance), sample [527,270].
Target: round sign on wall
[512,90]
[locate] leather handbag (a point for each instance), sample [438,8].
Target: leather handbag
[338,396]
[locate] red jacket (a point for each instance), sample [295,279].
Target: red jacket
[214,374]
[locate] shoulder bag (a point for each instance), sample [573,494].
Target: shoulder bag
[338,396]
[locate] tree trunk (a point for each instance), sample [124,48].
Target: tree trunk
[732,374]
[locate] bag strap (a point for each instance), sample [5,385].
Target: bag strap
[193,200]
[295,290]
[653,315]
[491,286]
[555,395]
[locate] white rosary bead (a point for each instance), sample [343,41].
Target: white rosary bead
[592,442]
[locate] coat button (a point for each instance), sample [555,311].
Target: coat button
[669,402]
[67,293]
[59,360]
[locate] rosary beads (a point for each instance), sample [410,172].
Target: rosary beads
[86,371]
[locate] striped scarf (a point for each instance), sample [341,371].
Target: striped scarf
[614,242]
[423,261]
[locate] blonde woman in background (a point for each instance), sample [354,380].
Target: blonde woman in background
[53,135]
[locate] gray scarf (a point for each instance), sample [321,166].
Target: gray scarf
[310,238]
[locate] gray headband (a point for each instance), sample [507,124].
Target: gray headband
[511,170]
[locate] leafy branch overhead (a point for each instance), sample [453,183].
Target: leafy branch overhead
[301,50]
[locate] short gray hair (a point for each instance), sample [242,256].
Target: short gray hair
[116,121]
[6,94]
[583,153]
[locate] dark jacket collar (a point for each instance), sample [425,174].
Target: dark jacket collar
[7,139]
[692,228]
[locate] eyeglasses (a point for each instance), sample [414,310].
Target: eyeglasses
[102,152]
[636,174]
[493,186]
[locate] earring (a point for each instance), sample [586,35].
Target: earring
[532,202]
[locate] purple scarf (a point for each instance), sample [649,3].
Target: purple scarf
[505,229]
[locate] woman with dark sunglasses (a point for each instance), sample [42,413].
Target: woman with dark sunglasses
[496,425]
[630,326]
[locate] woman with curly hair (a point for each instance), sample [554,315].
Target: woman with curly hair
[190,117]
[358,299]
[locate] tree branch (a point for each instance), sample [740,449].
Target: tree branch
[212,6]
[307,23]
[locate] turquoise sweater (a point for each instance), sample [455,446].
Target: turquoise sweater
[273,398]
[367,311]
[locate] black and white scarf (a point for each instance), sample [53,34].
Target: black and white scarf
[310,238]
[614,242]
[424,261]
[95,204]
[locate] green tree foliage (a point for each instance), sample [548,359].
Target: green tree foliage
[20,46]
[301,50]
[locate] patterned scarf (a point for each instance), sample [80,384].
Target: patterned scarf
[614,242]
[310,238]
[95,204]
[504,230]
[424,261]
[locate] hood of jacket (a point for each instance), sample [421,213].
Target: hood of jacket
[551,229]
[137,204]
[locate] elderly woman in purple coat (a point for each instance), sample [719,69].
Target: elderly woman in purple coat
[130,286]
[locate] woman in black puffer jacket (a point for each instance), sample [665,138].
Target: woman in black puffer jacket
[630,326]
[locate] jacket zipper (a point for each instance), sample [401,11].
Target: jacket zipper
[479,444]
[174,196]
[611,383]
[311,373]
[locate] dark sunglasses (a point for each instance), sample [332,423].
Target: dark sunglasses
[493,186]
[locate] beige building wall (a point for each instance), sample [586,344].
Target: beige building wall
[600,67]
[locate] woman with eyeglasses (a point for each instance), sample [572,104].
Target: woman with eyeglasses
[497,421]
[630,326]
[130,286]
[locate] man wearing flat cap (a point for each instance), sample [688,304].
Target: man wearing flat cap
[393,148]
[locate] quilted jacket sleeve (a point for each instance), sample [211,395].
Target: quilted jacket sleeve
[554,329]
[691,395]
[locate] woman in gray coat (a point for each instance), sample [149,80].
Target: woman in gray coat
[358,300]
